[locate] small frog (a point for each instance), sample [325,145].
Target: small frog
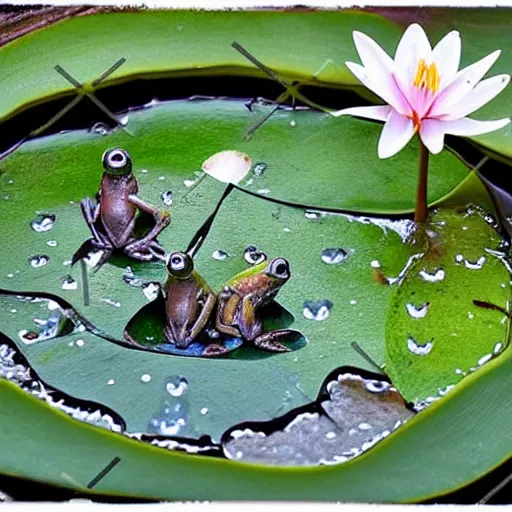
[112,219]
[241,301]
[189,301]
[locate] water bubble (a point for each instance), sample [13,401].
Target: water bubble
[476,265]
[100,129]
[438,275]
[145,378]
[364,426]
[176,385]
[151,290]
[219,255]
[204,411]
[316,310]
[314,215]
[39,260]
[330,435]
[417,312]
[497,348]
[253,256]
[166,197]
[418,349]
[68,283]
[80,343]
[484,359]
[259,168]
[334,255]
[43,223]
[111,382]
[52,243]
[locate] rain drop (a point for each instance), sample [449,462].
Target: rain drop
[189,183]
[475,265]
[204,411]
[334,255]
[145,378]
[253,256]
[417,312]
[293,123]
[80,343]
[176,385]
[263,191]
[39,260]
[219,255]
[438,275]
[111,382]
[484,359]
[416,348]
[68,283]
[100,129]
[52,243]
[497,348]
[259,168]
[43,223]
[317,310]
[167,197]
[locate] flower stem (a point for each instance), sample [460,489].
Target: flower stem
[420,215]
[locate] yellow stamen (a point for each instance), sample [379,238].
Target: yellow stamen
[427,76]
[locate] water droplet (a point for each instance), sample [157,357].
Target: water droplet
[166,196]
[263,191]
[417,312]
[375,264]
[334,255]
[52,243]
[364,426]
[12,310]
[476,265]
[100,129]
[377,386]
[484,359]
[129,278]
[68,283]
[471,316]
[219,255]
[111,302]
[111,382]
[43,223]
[438,275]
[124,120]
[176,385]
[293,123]
[458,371]
[316,310]
[39,260]
[67,263]
[145,378]
[497,348]
[151,290]
[259,168]
[80,343]
[189,183]
[204,411]
[143,171]
[314,215]
[179,28]
[330,435]
[418,349]
[253,256]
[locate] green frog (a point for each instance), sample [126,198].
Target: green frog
[242,299]
[189,300]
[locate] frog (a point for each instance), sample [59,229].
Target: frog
[242,299]
[112,218]
[189,300]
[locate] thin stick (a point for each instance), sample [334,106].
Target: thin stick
[421,212]
[365,356]
[496,490]
[85,282]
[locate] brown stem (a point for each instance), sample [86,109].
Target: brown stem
[420,215]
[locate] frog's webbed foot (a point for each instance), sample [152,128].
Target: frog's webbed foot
[215,350]
[270,340]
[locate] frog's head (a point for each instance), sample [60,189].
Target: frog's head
[179,265]
[117,162]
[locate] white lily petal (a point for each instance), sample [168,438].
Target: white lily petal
[484,92]
[413,46]
[379,112]
[382,84]
[464,82]
[467,127]
[397,132]
[371,54]
[228,166]
[432,135]
[446,55]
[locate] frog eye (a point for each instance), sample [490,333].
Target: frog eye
[117,161]
[280,268]
[179,262]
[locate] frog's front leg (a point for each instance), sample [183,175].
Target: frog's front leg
[91,213]
[270,340]
[228,305]
[162,220]
[202,318]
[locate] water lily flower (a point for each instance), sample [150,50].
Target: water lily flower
[424,91]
